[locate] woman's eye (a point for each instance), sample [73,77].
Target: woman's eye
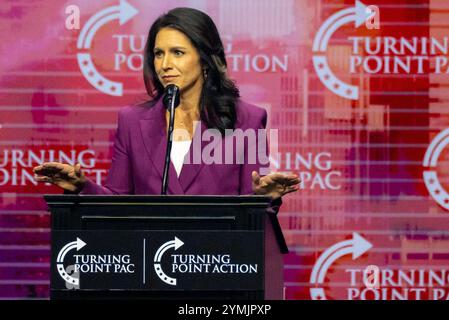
[158,54]
[179,53]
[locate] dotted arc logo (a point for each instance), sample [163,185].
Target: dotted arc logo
[356,246]
[430,164]
[357,14]
[176,244]
[78,245]
[123,12]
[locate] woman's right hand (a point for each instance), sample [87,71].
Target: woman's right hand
[65,176]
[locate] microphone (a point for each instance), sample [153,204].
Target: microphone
[170,100]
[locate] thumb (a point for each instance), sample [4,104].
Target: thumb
[256,177]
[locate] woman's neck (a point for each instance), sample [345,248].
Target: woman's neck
[186,115]
[189,107]
[190,98]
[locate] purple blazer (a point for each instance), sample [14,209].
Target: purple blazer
[139,151]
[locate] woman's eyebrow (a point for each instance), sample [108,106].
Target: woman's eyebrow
[178,48]
[171,48]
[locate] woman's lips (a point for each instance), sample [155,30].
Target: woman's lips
[168,77]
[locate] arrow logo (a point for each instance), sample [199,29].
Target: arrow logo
[358,14]
[176,244]
[356,246]
[123,12]
[78,245]
[430,174]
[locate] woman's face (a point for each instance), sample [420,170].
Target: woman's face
[177,61]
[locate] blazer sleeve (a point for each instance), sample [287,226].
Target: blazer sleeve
[119,179]
[260,149]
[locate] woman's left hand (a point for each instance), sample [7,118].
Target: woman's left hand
[275,185]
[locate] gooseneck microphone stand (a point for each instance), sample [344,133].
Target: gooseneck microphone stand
[171,101]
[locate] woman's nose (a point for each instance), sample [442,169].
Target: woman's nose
[166,62]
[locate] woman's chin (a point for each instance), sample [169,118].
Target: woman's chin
[166,82]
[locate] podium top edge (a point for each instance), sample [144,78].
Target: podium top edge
[65,198]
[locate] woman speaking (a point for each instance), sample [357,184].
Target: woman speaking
[183,49]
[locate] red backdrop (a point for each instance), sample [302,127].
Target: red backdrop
[360,109]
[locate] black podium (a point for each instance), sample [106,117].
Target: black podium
[165,247]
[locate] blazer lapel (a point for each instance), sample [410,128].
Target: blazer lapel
[153,128]
[195,161]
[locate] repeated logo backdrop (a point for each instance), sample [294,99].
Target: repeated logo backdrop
[361,112]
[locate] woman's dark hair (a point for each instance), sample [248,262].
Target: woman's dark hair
[219,94]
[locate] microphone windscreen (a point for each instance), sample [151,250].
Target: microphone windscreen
[171,92]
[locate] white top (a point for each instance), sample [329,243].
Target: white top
[178,151]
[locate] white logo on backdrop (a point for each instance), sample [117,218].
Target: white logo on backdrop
[358,14]
[123,12]
[430,163]
[355,246]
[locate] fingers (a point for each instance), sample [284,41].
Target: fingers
[289,183]
[283,177]
[291,189]
[78,172]
[39,178]
[275,176]
[75,173]
[38,169]
[55,172]
[52,168]
[286,183]
[53,165]
[275,184]
[65,176]
[48,168]
[286,180]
